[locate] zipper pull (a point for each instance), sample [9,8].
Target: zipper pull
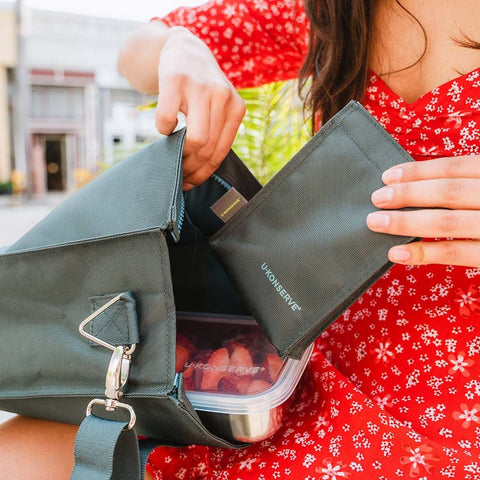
[176,385]
[173,224]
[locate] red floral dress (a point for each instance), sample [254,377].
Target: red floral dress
[393,388]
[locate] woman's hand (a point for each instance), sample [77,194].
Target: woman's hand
[190,81]
[449,189]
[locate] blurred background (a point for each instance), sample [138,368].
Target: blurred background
[65,112]
[66,115]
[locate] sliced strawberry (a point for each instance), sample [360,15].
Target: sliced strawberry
[183,354]
[262,373]
[189,371]
[253,339]
[243,383]
[228,385]
[218,364]
[241,360]
[257,386]
[188,383]
[198,361]
[273,364]
[184,341]
[234,384]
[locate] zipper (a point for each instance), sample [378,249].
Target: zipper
[221,181]
[176,386]
[177,204]
[175,222]
[177,215]
[100,393]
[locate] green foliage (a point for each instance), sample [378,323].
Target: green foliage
[273,130]
[6,188]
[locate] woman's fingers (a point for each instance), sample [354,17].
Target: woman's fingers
[195,154]
[190,81]
[230,127]
[427,223]
[168,105]
[198,132]
[458,193]
[453,252]
[465,166]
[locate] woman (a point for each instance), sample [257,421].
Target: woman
[392,390]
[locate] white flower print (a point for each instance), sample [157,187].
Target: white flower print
[468,415]
[460,364]
[332,471]
[383,354]
[373,358]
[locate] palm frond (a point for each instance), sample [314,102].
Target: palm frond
[273,129]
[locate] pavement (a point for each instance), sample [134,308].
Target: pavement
[17,216]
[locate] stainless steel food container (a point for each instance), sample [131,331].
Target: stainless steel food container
[234,378]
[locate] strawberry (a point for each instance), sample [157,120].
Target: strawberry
[243,383]
[253,339]
[185,342]
[241,359]
[218,364]
[228,385]
[188,384]
[182,356]
[196,370]
[273,364]
[257,386]
[234,384]
[189,371]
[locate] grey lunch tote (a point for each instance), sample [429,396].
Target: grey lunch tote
[110,260]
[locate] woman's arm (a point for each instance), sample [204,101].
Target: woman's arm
[139,55]
[186,75]
[254,41]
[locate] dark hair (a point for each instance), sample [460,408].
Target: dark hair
[338,54]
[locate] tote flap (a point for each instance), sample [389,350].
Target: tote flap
[140,193]
[300,252]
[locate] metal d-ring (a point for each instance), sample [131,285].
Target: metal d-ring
[95,314]
[111,405]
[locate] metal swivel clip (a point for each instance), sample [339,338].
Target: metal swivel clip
[118,369]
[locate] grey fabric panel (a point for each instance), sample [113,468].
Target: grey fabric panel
[51,371]
[44,295]
[109,237]
[300,252]
[118,324]
[134,195]
[236,173]
[170,420]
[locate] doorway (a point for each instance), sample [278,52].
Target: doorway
[55,162]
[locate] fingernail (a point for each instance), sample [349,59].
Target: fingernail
[378,220]
[392,175]
[398,254]
[383,195]
[188,186]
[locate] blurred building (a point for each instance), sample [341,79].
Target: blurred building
[7,62]
[82,113]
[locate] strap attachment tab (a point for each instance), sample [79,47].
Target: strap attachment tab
[118,368]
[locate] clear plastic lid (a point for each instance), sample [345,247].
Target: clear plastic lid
[230,367]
